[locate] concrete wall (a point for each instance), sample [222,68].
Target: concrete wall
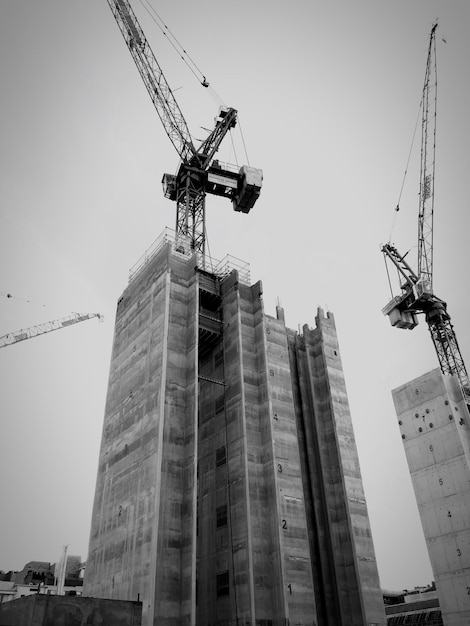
[43,610]
[141,543]
[435,427]
[252,528]
[281,440]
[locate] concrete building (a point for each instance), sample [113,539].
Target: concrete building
[228,489]
[418,606]
[40,578]
[435,426]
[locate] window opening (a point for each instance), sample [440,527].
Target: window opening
[220,456]
[221,516]
[222,584]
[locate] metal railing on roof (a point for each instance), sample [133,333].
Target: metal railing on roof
[181,247]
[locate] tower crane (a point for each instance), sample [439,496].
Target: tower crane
[34,331]
[199,173]
[417,294]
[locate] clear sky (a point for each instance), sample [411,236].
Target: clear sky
[328,95]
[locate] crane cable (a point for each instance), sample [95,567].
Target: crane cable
[243,142]
[388,277]
[397,208]
[189,62]
[182,53]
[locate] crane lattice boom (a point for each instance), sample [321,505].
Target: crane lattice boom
[159,90]
[34,331]
[428,153]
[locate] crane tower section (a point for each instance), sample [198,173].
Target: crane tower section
[199,172]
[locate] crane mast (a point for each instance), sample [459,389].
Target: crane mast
[417,293]
[199,173]
[34,331]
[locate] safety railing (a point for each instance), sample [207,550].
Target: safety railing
[181,246]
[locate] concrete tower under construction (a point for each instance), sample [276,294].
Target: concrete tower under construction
[229,489]
[435,426]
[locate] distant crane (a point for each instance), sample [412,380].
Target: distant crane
[417,295]
[199,173]
[34,331]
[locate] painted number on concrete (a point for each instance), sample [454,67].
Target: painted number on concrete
[284,524]
[289,586]
[279,468]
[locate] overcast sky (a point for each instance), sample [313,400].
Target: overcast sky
[328,95]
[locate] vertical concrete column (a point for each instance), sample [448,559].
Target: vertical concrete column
[238,366]
[154,590]
[351,585]
[173,590]
[260,403]
[296,584]
[142,543]
[189,505]
[123,531]
[272,595]
[316,506]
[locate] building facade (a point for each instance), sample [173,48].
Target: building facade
[228,489]
[435,427]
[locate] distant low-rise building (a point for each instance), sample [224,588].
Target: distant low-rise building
[417,606]
[40,577]
[7,591]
